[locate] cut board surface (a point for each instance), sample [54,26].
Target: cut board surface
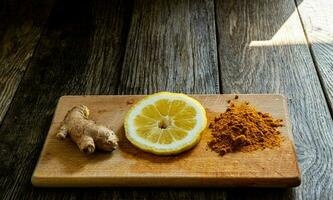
[61,164]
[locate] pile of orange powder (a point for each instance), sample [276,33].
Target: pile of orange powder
[242,128]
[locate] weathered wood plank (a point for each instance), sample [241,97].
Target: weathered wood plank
[262,49]
[21,25]
[111,24]
[80,52]
[171,46]
[317,18]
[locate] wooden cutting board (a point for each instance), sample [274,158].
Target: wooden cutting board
[61,164]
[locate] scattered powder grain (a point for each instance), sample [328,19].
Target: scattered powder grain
[242,128]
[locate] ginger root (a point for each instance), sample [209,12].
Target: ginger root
[86,133]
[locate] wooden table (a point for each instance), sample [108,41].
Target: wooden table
[51,48]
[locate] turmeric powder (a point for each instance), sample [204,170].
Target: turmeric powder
[242,128]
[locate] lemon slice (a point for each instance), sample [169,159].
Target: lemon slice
[165,123]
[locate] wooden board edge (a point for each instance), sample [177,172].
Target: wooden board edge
[197,182]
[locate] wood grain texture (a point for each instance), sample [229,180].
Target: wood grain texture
[56,72]
[61,164]
[262,48]
[77,54]
[317,18]
[21,25]
[171,46]
[108,39]
[155,47]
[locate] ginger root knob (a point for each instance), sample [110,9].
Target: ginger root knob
[86,133]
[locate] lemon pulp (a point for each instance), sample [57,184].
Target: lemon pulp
[165,123]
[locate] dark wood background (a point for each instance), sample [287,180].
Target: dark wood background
[50,48]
